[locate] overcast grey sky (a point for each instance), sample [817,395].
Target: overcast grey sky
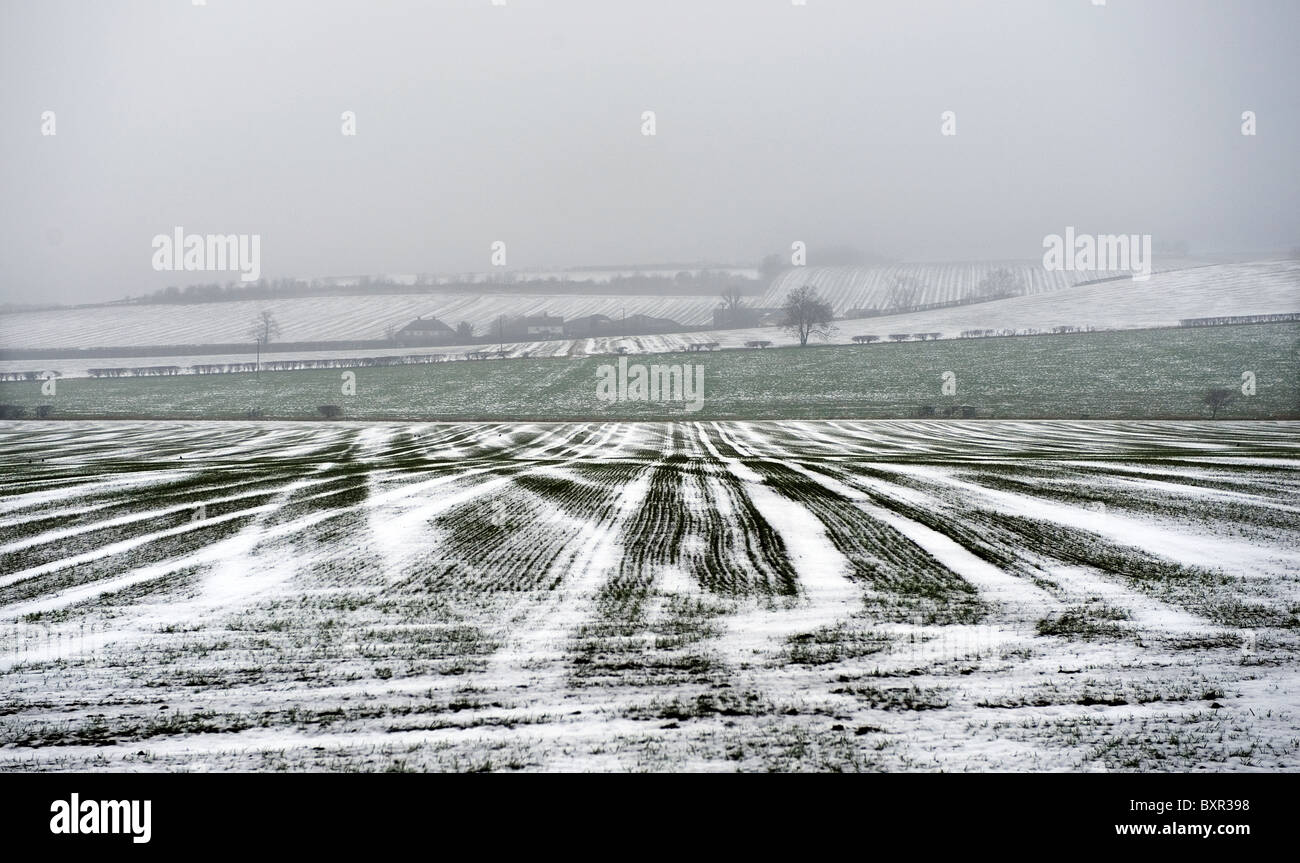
[774,123]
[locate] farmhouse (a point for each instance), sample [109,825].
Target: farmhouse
[425,330]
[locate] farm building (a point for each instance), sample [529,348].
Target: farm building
[591,326]
[743,317]
[530,327]
[424,330]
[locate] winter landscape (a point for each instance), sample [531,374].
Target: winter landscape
[644,596]
[535,387]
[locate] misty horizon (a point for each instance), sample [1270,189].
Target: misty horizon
[774,123]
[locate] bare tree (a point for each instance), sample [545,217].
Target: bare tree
[262,332]
[1000,283]
[904,293]
[501,334]
[806,314]
[1216,399]
[465,331]
[265,328]
[733,298]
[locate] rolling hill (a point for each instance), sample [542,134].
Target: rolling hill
[1227,289]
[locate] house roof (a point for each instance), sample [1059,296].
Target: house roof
[426,325]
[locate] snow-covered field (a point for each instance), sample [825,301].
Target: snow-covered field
[368,317]
[818,595]
[1162,301]
[310,319]
[1230,289]
[869,287]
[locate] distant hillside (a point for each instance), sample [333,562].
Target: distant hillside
[650,282]
[1227,289]
[848,288]
[315,319]
[1166,298]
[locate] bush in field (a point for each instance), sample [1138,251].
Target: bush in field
[330,412]
[43,411]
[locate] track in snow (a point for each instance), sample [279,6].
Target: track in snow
[792,595]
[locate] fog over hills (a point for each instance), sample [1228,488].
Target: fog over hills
[524,124]
[1262,288]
